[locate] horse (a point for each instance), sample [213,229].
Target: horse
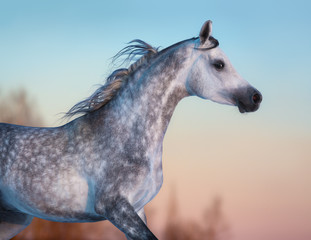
[106,163]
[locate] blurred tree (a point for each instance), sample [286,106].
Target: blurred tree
[17,108]
[212,227]
[41,229]
[216,227]
[173,229]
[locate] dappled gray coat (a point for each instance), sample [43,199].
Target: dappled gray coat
[107,163]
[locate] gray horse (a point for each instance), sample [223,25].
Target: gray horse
[107,163]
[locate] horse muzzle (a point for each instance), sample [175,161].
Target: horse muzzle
[248,100]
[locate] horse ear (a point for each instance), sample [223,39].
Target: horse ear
[206,31]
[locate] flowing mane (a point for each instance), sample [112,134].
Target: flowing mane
[139,52]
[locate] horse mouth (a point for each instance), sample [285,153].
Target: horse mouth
[241,107]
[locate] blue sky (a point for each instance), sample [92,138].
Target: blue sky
[59,50]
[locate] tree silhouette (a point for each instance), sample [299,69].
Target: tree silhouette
[213,225]
[17,108]
[216,227]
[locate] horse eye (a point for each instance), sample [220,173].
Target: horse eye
[219,65]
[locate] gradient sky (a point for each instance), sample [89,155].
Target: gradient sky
[259,163]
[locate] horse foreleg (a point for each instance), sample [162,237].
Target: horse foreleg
[120,213]
[12,223]
[142,215]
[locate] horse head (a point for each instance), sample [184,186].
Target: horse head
[213,77]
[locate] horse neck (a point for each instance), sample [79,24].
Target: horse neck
[147,101]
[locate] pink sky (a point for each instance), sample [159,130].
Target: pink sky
[259,163]
[263,175]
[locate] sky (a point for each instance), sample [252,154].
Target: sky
[258,163]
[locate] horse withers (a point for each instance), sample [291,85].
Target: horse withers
[106,164]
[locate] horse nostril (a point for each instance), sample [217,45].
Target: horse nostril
[257,98]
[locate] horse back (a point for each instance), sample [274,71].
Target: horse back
[7,143]
[22,146]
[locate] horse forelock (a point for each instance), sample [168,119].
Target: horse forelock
[114,82]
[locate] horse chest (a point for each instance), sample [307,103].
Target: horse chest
[149,184]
